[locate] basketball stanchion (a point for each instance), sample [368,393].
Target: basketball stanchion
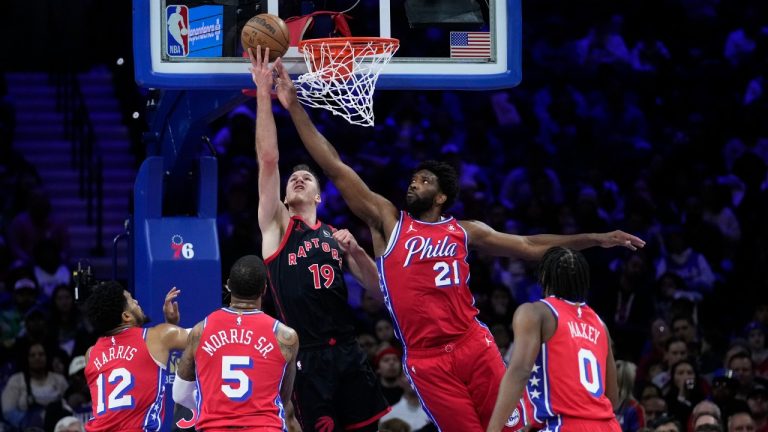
[342,73]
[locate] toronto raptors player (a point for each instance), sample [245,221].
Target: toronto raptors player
[562,362]
[335,385]
[448,355]
[242,359]
[126,369]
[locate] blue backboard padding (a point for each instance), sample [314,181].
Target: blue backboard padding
[146,77]
[158,265]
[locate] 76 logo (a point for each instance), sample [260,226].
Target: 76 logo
[181,249]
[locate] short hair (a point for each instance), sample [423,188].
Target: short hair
[105,306]
[684,317]
[708,427]
[248,277]
[447,179]
[305,167]
[741,355]
[672,340]
[66,422]
[564,273]
[741,412]
[666,419]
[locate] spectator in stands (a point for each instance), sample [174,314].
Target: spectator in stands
[757,399]
[655,408]
[704,412]
[741,422]
[687,263]
[72,332]
[35,224]
[724,388]
[684,390]
[69,424]
[629,413]
[389,369]
[743,370]
[755,334]
[667,424]
[28,392]
[25,295]
[49,268]
[408,408]
[676,350]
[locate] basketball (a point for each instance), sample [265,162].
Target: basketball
[266,30]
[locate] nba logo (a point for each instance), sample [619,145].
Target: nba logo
[177,19]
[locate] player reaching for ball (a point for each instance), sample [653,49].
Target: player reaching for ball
[448,355]
[335,386]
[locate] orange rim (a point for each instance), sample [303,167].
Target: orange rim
[355,42]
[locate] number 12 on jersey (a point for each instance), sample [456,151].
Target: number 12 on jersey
[445,276]
[118,399]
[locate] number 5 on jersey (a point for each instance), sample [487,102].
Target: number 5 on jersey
[232,373]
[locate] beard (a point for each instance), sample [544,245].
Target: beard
[141,319]
[418,205]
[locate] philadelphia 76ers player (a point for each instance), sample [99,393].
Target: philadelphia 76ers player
[562,361]
[448,355]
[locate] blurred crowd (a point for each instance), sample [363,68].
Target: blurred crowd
[644,116]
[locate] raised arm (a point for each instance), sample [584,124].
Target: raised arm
[289,346]
[273,216]
[527,327]
[380,214]
[489,241]
[167,336]
[360,263]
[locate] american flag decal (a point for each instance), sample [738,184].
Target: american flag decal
[470,44]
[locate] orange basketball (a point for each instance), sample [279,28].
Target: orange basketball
[266,30]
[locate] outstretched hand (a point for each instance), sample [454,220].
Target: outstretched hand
[345,239]
[260,72]
[171,307]
[620,238]
[286,90]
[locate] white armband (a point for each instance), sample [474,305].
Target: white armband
[184,392]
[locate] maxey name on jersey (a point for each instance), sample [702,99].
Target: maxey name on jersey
[236,336]
[313,244]
[125,352]
[584,331]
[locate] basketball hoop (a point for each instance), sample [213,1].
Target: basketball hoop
[342,74]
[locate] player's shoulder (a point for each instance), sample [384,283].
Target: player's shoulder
[286,335]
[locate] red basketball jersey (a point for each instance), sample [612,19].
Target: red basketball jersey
[568,378]
[424,275]
[240,370]
[127,385]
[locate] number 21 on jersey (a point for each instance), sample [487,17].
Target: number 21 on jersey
[447,274]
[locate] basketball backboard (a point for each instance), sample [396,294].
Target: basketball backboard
[458,44]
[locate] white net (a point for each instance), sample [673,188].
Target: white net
[342,74]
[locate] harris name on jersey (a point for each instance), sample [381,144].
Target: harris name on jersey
[125,352]
[236,336]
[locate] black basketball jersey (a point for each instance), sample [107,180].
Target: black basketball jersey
[308,285]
